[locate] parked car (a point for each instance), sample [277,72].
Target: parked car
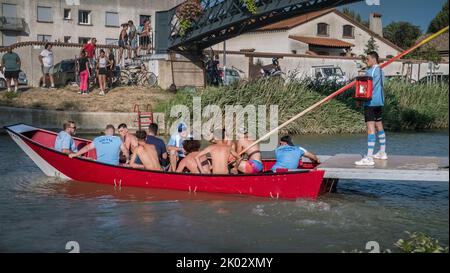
[329,73]
[438,78]
[64,73]
[232,76]
[22,80]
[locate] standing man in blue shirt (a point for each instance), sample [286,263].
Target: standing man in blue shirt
[288,155]
[64,142]
[107,147]
[373,113]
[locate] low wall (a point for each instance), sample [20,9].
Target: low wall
[52,119]
[300,65]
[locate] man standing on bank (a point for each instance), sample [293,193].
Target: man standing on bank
[373,113]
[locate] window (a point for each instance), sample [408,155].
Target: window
[348,31]
[9,10]
[111,41]
[112,19]
[44,38]
[84,17]
[67,39]
[67,14]
[9,38]
[44,14]
[83,40]
[322,29]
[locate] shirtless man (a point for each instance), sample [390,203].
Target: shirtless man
[192,148]
[220,152]
[146,153]
[129,140]
[253,164]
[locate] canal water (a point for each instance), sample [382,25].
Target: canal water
[41,214]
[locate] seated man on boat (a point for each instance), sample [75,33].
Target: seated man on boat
[64,142]
[253,164]
[107,147]
[175,146]
[129,140]
[288,155]
[159,145]
[146,153]
[220,153]
[192,148]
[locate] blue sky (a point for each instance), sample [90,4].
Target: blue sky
[417,12]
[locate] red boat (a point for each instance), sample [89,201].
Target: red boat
[306,182]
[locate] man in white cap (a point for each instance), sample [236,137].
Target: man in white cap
[175,146]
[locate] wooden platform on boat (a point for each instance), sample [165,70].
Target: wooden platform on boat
[396,168]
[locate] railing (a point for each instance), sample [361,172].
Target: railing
[224,19]
[12,23]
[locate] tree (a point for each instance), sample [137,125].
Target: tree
[371,46]
[403,34]
[440,21]
[356,16]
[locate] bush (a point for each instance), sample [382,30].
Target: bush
[408,106]
[420,243]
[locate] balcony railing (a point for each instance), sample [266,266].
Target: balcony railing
[12,23]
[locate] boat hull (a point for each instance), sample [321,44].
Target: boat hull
[289,185]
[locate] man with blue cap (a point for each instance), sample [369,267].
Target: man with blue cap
[175,146]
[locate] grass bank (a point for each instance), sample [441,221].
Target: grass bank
[408,106]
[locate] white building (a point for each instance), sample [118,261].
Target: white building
[73,21]
[327,32]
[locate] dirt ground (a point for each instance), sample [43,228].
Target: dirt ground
[120,99]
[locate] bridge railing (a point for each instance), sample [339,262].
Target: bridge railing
[224,19]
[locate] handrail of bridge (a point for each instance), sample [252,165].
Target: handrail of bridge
[223,19]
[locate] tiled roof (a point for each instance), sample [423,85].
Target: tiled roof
[296,21]
[327,42]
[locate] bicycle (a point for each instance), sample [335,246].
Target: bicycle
[137,74]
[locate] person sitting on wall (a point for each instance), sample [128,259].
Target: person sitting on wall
[64,142]
[107,147]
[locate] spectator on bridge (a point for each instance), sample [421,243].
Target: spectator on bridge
[46,59]
[132,38]
[123,41]
[11,63]
[145,41]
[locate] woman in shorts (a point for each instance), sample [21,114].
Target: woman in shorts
[102,64]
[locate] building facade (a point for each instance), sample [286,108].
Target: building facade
[327,32]
[73,21]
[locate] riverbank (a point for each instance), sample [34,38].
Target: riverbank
[408,106]
[120,99]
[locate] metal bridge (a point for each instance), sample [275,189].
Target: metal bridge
[224,19]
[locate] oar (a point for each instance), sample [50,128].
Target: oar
[348,86]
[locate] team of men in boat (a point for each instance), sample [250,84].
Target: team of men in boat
[144,150]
